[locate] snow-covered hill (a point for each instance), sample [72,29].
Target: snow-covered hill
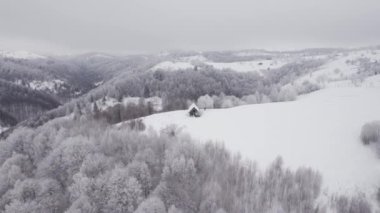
[347,69]
[172,66]
[248,66]
[320,130]
[20,55]
[339,67]
[241,66]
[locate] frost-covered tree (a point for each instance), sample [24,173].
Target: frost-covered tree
[227,103]
[287,93]
[43,195]
[344,204]
[205,102]
[179,182]
[174,209]
[251,99]
[82,204]
[96,110]
[95,164]
[220,211]
[151,205]
[211,198]
[17,206]
[125,192]
[141,172]
[66,159]
[77,112]
[12,171]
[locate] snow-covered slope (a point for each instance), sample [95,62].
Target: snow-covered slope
[172,66]
[46,85]
[3,129]
[240,66]
[339,67]
[20,55]
[52,86]
[248,66]
[320,130]
[343,69]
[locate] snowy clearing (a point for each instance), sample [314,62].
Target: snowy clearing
[51,86]
[242,66]
[249,66]
[172,66]
[320,130]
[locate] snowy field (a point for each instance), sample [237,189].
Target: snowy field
[243,66]
[172,66]
[248,66]
[320,130]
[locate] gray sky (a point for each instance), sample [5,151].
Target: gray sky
[135,26]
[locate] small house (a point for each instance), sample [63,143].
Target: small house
[194,111]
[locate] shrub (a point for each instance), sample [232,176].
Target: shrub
[287,93]
[171,130]
[358,203]
[136,124]
[307,87]
[370,132]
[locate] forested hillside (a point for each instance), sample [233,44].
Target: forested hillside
[74,164]
[32,85]
[18,103]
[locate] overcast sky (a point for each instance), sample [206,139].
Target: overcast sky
[135,26]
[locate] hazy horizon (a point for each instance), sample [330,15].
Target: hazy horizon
[147,26]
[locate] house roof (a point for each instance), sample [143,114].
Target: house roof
[192,106]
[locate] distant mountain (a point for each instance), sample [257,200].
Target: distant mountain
[20,55]
[33,85]
[339,66]
[66,77]
[62,79]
